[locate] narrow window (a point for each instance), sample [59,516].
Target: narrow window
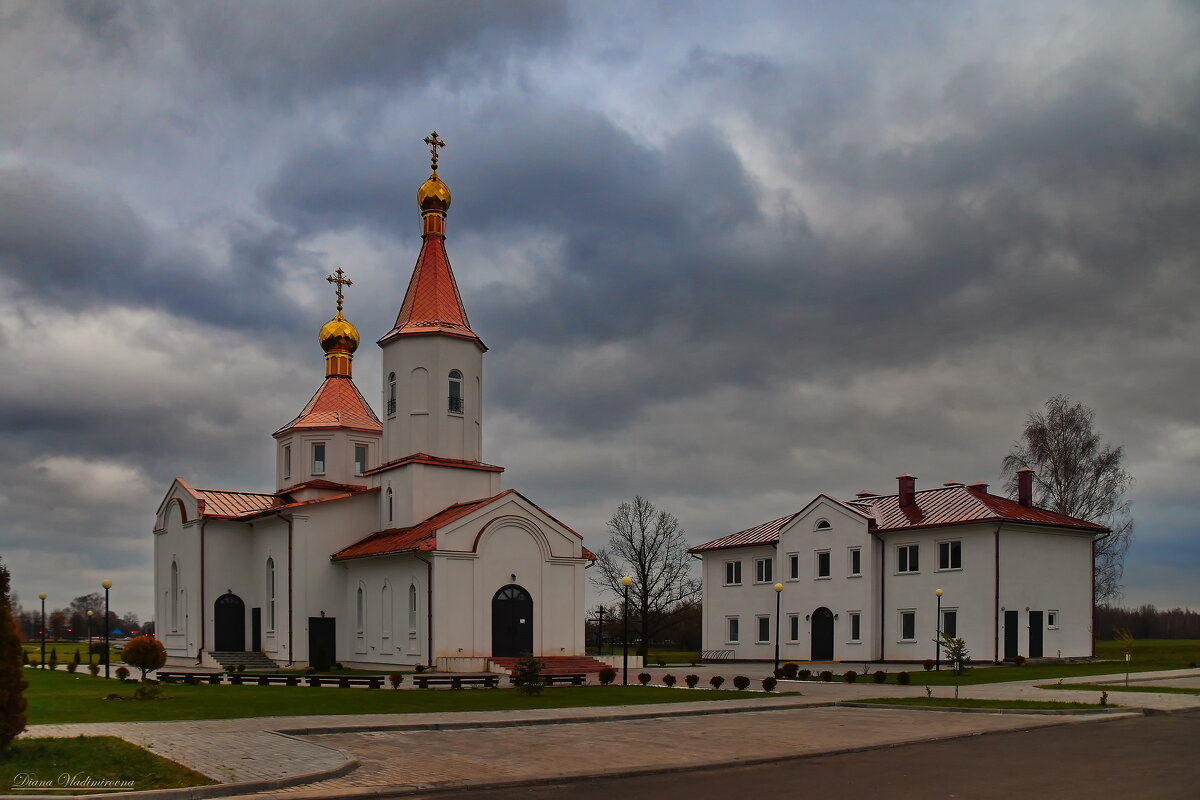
[391,394]
[360,459]
[456,395]
[855,626]
[412,611]
[950,555]
[950,622]
[1051,619]
[732,630]
[855,561]
[764,629]
[287,461]
[360,612]
[733,573]
[270,594]
[318,459]
[793,627]
[762,570]
[906,558]
[389,504]
[794,566]
[908,626]
[823,569]
[174,596]
[385,610]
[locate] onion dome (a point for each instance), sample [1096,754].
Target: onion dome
[434,196]
[338,335]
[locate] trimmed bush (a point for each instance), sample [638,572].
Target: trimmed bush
[805,674]
[903,678]
[668,681]
[72,666]
[769,684]
[644,678]
[691,680]
[421,668]
[607,676]
[1018,661]
[94,669]
[778,673]
[849,676]
[927,664]
[826,675]
[741,682]
[122,673]
[880,676]
[790,670]
[395,679]
[716,681]
[53,658]
[146,653]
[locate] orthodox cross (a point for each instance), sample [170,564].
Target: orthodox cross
[434,143]
[341,280]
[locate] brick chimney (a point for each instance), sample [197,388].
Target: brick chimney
[1025,486]
[978,485]
[908,489]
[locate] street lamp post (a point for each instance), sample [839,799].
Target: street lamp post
[107,585]
[89,616]
[600,631]
[938,592]
[778,595]
[42,663]
[626,582]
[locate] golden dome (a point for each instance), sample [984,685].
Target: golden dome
[433,195]
[338,334]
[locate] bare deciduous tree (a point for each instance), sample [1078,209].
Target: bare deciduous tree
[1076,474]
[649,546]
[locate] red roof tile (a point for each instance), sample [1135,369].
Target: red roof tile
[432,303]
[337,404]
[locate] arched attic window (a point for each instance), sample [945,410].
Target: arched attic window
[391,393]
[822,525]
[456,392]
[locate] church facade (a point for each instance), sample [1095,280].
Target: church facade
[388,541]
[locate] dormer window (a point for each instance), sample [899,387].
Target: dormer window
[391,394]
[456,395]
[318,462]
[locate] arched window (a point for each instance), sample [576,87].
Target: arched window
[412,611]
[391,393]
[360,612]
[822,525]
[456,395]
[389,504]
[270,594]
[385,609]
[174,596]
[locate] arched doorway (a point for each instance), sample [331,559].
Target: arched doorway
[512,621]
[229,624]
[822,634]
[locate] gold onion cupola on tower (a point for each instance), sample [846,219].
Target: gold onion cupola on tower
[432,303]
[339,339]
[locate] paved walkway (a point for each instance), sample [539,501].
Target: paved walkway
[320,756]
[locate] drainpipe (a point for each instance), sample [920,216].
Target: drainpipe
[291,611]
[882,601]
[996,596]
[203,615]
[428,607]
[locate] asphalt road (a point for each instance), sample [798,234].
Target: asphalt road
[1148,758]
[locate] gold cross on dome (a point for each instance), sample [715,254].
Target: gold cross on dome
[341,280]
[434,143]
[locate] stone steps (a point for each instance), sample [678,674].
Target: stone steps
[555,665]
[253,662]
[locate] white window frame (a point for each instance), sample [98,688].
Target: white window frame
[764,570]
[270,577]
[323,461]
[949,555]
[733,569]
[817,576]
[853,616]
[1052,619]
[850,551]
[942,622]
[900,614]
[793,566]
[390,400]
[733,630]
[366,455]
[823,525]
[287,461]
[908,547]
[759,621]
[174,597]
[793,628]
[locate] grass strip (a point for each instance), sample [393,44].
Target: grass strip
[1119,687]
[87,765]
[971,702]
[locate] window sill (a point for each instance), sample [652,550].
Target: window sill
[855,575]
[906,641]
[823,578]
[858,642]
[911,572]
[948,569]
[763,583]
[731,584]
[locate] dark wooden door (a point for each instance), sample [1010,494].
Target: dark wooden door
[1011,621]
[256,629]
[512,622]
[1035,634]
[229,624]
[822,634]
[322,642]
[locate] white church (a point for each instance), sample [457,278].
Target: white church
[386,542]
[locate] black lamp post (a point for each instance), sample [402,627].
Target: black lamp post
[89,616]
[778,596]
[600,630]
[42,663]
[626,581]
[938,592]
[107,585]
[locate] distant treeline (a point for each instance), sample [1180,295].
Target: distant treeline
[1148,622]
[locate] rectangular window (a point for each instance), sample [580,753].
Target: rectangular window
[1052,619]
[287,461]
[764,629]
[793,627]
[855,626]
[908,626]
[762,570]
[793,566]
[822,563]
[950,622]
[733,573]
[950,555]
[855,561]
[731,624]
[360,459]
[906,558]
[318,459]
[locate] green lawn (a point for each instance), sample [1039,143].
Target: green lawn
[95,758]
[66,652]
[1119,687]
[950,702]
[56,697]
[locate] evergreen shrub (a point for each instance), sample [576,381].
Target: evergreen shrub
[741,682]
[607,676]
[691,681]
[769,684]
[849,676]
[715,681]
[826,675]
[644,678]
[903,678]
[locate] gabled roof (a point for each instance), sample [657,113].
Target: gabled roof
[337,404]
[767,533]
[222,503]
[432,303]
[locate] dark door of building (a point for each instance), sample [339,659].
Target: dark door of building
[322,642]
[512,621]
[256,629]
[822,634]
[1011,621]
[1035,634]
[229,624]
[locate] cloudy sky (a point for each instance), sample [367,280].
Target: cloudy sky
[725,256]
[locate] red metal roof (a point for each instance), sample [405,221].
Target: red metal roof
[422,536]
[337,404]
[767,533]
[432,303]
[436,461]
[221,503]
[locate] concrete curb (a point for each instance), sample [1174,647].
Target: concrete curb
[1048,712]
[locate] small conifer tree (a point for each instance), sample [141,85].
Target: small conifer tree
[527,676]
[146,653]
[12,680]
[53,658]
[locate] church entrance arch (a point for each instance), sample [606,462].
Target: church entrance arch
[512,621]
[229,624]
[822,634]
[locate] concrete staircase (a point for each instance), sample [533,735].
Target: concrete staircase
[252,662]
[553,665]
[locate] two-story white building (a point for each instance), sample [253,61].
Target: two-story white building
[858,580]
